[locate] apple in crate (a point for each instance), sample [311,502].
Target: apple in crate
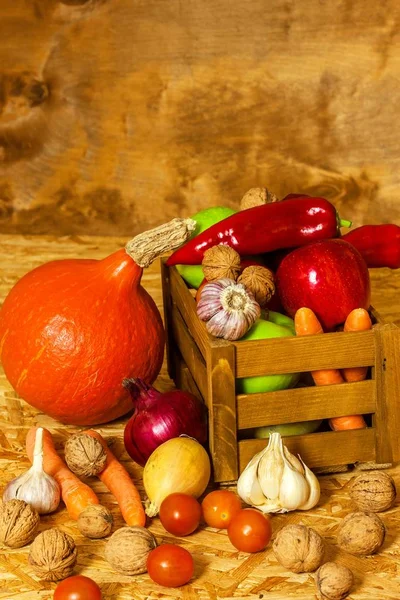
[330,277]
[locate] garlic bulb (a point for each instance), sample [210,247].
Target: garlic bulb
[228,308]
[276,481]
[35,487]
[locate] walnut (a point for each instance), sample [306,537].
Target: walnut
[299,548]
[361,533]
[53,555]
[220,262]
[84,455]
[18,523]
[257,197]
[260,281]
[95,521]
[373,492]
[333,581]
[128,548]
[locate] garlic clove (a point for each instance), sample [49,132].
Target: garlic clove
[294,490]
[293,460]
[270,469]
[314,489]
[248,487]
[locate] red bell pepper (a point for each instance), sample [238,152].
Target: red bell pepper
[295,222]
[379,245]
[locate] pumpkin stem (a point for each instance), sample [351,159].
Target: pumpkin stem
[149,245]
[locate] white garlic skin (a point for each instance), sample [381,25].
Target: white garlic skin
[275,481]
[228,309]
[34,486]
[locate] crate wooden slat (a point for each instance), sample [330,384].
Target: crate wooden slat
[189,351]
[320,449]
[180,296]
[377,396]
[294,355]
[308,403]
[387,378]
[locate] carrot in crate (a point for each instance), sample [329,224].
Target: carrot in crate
[117,479]
[357,320]
[306,323]
[76,495]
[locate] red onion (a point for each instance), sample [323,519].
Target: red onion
[158,417]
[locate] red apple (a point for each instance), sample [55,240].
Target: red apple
[329,276]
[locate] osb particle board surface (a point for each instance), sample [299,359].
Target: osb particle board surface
[221,571]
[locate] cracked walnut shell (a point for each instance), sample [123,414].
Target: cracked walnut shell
[53,555]
[84,455]
[361,533]
[18,523]
[373,492]
[299,548]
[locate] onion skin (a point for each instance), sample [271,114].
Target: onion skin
[159,417]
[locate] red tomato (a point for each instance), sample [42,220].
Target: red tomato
[219,507]
[77,587]
[170,565]
[250,530]
[180,514]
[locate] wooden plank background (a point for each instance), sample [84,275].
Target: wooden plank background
[116,115]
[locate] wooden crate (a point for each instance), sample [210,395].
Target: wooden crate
[208,367]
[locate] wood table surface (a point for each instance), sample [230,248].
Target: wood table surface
[220,570]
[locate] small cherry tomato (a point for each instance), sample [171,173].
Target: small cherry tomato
[219,507]
[170,565]
[77,587]
[180,514]
[250,530]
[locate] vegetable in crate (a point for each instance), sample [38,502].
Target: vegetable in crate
[159,417]
[71,330]
[379,245]
[275,481]
[330,277]
[265,228]
[306,323]
[228,309]
[193,274]
[278,326]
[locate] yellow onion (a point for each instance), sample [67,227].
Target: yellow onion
[179,465]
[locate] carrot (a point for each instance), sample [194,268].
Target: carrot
[357,320]
[76,495]
[117,479]
[348,422]
[306,323]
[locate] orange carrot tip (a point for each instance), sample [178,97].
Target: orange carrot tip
[306,322]
[358,320]
[347,423]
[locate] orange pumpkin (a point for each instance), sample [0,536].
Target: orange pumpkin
[72,330]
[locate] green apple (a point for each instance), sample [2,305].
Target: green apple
[280,319]
[193,274]
[262,330]
[288,429]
